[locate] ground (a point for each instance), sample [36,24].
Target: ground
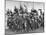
[9,32]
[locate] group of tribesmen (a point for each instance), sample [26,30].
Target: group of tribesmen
[20,20]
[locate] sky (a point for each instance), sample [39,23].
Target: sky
[11,5]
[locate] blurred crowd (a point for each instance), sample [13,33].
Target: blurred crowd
[21,20]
